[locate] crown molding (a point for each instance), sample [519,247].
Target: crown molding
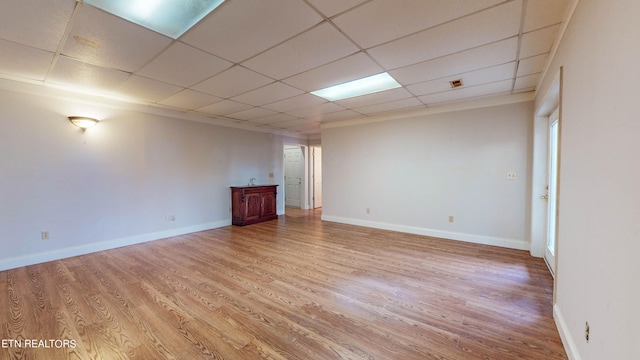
[444,108]
[38,88]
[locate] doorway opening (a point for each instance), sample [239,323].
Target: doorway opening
[302,176]
[551,196]
[316,177]
[545,180]
[294,165]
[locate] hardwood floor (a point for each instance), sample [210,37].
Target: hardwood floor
[292,288]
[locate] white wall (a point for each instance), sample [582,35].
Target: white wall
[115,184]
[413,173]
[598,274]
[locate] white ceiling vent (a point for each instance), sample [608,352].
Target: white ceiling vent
[456,83]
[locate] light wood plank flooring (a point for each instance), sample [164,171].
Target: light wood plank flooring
[292,288]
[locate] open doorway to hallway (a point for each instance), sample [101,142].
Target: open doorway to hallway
[316,177]
[294,165]
[302,176]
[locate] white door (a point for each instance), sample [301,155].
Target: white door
[552,199]
[293,170]
[317,177]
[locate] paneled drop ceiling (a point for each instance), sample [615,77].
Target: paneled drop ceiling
[253,63]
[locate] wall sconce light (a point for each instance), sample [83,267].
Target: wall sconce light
[83,122]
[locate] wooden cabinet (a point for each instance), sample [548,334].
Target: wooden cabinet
[253,204]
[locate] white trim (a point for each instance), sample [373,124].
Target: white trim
[12,263]
[444,108]
[105,101]
[471,238]
[571,9]
[551,99]
[569,345]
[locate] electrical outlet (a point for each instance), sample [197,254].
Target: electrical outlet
[511,175]
[450,218]
[586,331]
[44,235]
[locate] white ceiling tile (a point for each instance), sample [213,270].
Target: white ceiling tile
[310,132]
[85,77]
[532,65]
[499,87]
[340,115]
[190,100]
[489,75]
[238,30]
[295,103]
[146,90]
[306,128]
[524,90]
[315,47]
[275,118]
[410,103]
[542,13]
[350,68]
[306,131]
[430,87]
[232,82]
[252,114]
[36,23]
[498,23]
[23,61]
[378,21]
[538,42]
[316,110]
[375,98]
[267,94]
[484,56]
[527,81]
[292,123]
[183,65]
[422,43]
[224,107]
[473,78]
[99,38]
[333,7]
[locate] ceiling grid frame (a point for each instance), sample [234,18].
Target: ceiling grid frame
[539,27]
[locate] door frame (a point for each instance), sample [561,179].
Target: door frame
[539,179]
[539,207]
[313,191]
[304,186]
[552,190]
[551,100]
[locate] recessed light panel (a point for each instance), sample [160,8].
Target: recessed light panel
[364,86]
[168,17]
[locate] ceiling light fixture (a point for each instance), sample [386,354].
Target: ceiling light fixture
[168,17]
[364,86]
[83,122]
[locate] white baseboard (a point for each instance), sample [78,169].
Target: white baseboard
[31,259]
[477,239]
[569,345]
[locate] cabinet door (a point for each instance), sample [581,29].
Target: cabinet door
[252,206]
[268,204]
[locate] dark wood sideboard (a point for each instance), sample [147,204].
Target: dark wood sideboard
[253,204]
